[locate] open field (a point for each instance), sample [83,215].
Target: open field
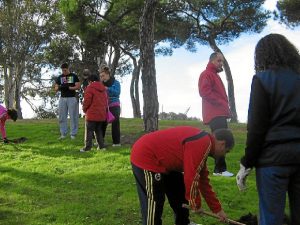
[46,181]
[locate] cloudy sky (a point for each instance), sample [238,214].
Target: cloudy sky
[177,76]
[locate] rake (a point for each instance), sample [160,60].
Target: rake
[228,221]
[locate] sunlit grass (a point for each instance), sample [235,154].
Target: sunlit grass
[47,181]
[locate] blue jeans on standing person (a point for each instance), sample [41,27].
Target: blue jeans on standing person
[272,184]
[68,105]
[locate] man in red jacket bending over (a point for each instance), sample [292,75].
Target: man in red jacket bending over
[172,162]
[215,107]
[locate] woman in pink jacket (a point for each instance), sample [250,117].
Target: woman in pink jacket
[4,115]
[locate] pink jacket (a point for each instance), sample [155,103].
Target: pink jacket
[3,118]
[212,91]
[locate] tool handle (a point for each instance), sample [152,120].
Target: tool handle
[213,215]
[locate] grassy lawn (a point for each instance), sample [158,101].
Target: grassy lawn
[48,181]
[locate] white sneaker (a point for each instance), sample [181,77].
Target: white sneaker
[224,174]
[192,223]
[116,145]
[62,137]
[73,137]
[101,149]
[84,150]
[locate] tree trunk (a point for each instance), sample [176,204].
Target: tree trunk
[134,88]
[151,107]
[229,79]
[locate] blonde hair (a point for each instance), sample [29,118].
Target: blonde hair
[105,69]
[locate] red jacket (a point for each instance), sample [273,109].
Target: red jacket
[163,151]
[95,102]
[212,91]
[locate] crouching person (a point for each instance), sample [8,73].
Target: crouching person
[172,162]
[6,114]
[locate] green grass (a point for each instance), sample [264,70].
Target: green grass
[48,181]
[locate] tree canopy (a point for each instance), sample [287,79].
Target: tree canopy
[288,12]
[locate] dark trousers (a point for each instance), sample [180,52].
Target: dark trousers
[91,128]
[115,126]
[152,189]
[217,123]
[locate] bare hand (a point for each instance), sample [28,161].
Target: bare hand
[222,216]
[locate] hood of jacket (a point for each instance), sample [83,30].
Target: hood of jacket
[97,85]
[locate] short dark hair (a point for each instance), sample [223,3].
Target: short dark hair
[93,77]
[213,55]
[225,135]
[64,66]
[13,114]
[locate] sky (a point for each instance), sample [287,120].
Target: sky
[177,75]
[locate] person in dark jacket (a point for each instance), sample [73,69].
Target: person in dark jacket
[94,106]
[273,137]
[172,162]
[215,107]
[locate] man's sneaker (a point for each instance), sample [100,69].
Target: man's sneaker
[192,223]
[116,145]
[73,137]
[101,149]
[224,174]
[62,137]
[84,150]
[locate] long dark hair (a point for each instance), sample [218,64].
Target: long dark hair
[276,51]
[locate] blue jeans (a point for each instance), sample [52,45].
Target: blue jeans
[67,106]
[272,184]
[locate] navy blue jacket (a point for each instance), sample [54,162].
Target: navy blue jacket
[273,136]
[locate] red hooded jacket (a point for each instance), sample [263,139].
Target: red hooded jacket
[212,91]
[95,102]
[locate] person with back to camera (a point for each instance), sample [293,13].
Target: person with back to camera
[273,130]
[84,83]
[114,91]
[6,114]
[94,106]
[215,107]
[172,162]
[67,83]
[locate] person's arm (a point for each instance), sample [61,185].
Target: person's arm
[87,100]
[194,160]
[115,89]
[75,87]
[207,192]
[205,86]
[2,125]
[258,123]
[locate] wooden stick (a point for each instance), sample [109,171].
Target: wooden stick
[214,215]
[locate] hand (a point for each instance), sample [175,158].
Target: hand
[222,216]
[5,140]
[242,176]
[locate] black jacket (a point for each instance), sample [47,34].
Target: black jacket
[273,136]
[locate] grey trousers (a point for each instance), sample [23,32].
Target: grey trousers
[69,106]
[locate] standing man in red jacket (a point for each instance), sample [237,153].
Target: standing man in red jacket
[215,107]
[172,162]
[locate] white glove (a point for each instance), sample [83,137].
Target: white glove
[241,177]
